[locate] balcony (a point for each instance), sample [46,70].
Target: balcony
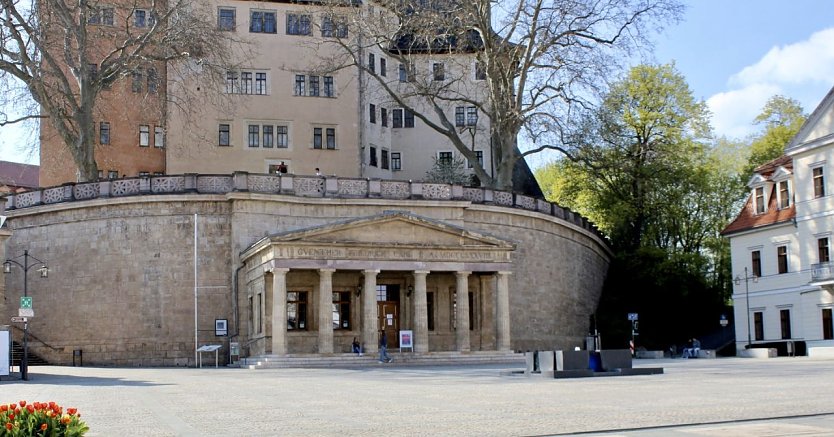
[822,274]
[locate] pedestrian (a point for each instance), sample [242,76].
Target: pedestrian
[318,172]
[383,349]
[356,347]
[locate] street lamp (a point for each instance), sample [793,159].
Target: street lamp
[44,271]
[747,278]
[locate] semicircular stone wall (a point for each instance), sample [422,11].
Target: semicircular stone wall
[121,257]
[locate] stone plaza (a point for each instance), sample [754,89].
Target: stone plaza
[705,397]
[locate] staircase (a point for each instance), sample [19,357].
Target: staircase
[17,356]
[349,360]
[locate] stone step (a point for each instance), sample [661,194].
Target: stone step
[352,360]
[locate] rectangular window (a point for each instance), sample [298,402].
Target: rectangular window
[254,135]
[298,24]
[331,138]
[471,116]
[282,139]
[140,18]
[144,135]
[383,67]
[822,250]
[782,257]
[760,200]
[372,161]
[408,118]
[827,324]
[383,114]
[314,86]
[460,116]
[756,260]
[758,326]
[438,71]
[223,135]
[479,155]
[480,71]
[232,86]
[785,320]
[262,22]
[300,82]
[784,195]
[329,90]
[296,310]
[269,138]
[371,63]
[153,80]
[327,26]
[403,73]
[246,85]
[445,157]
[136,85]
[112,174]
[226,19]
[260,83]
[384,159]
[819,182]
[158,137]
[104,132]
[317,138]
[372,113]
[94,17]
[396,161]
[334,26]
[397,115]
[341,310]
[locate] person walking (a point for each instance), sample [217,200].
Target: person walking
[383,349]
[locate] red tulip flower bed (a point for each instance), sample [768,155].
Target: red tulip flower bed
[46,419]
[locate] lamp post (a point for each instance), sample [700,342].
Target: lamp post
[44,271]
[746,280]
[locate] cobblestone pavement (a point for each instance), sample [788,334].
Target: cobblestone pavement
[726,397]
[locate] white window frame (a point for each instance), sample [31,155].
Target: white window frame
[144,135]
[158,137]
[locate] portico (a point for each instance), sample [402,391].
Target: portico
[314,290]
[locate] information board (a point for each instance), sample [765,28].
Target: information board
[5,352]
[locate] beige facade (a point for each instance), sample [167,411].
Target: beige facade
[511,272]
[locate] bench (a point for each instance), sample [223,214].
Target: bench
[649,354]
[706,353]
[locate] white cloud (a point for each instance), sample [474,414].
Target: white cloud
[803,70]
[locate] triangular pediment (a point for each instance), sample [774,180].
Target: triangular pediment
[818,129]
[756,180]
[393,228]
[781,174]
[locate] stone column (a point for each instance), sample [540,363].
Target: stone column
[326,311]
[370,313]
[502,312]
[421,316]
[279,311]
[462,311]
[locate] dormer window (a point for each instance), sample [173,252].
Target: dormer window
[784,195]
[759,200]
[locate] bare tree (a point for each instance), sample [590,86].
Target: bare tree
[534,61]
[63,55]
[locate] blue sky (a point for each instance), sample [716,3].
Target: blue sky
[735,54]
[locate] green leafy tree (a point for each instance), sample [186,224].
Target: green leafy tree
[781,117]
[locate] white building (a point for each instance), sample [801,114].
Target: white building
[781,246]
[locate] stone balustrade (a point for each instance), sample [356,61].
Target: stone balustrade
[292,185]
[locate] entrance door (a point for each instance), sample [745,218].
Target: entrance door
[388,305]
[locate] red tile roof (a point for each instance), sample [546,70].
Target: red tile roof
[748,219]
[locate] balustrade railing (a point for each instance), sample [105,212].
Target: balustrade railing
[822,272]
[295,185]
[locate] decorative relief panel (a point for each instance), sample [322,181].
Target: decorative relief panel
[23,200]
[308,187]
[503,198]
[437,191]
[86,191]
[353,188]
[526,202]
[53,195]
[168,184]
[124,187]
[263,184]
[214,184]
[475,195]
[395,190]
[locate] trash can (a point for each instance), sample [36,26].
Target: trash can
[77,354]
[595,362]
